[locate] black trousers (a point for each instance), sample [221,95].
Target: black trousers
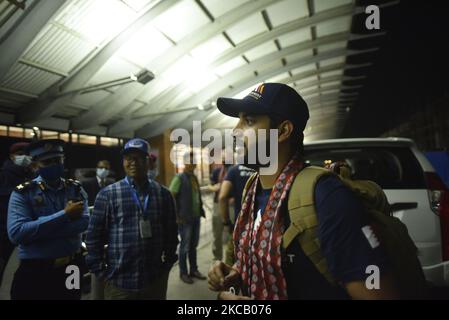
[40,280]
[6,249]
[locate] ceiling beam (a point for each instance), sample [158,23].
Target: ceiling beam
[222,89]
[111,105]
[272,34]
[235,76]
[329,88]
[221,121]
[48,103]
[138,123]
[259,39]
[15,44]
[168,95]
[321,81]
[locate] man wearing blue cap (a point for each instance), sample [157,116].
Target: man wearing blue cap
[270,262]
[135,217]
[46,217]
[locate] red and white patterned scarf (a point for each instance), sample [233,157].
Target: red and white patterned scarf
[258,251]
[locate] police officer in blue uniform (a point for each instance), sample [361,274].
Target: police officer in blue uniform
[46,218]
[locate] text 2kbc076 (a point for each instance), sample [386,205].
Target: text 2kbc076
[245,309]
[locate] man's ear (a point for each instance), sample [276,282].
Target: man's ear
[285,130]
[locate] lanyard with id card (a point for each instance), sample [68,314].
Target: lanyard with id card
[144,222]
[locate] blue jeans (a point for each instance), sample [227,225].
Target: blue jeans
[190,236]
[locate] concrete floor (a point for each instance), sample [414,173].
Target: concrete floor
[177,290]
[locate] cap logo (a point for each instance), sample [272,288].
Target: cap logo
[135,144]
[257,93]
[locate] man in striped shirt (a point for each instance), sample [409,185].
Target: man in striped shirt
[136,218]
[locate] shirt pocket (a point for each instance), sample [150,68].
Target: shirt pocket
[124,212]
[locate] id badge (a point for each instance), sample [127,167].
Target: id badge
[145,228]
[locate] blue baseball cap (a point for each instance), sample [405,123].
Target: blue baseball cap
[136,144]
[269,99]
[46,149]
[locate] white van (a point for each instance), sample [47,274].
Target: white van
[417,195]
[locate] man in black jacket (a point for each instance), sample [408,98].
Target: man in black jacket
[15,171]
[101,180]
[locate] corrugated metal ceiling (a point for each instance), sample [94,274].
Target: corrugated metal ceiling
[295,41]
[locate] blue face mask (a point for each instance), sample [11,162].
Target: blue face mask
[53,172]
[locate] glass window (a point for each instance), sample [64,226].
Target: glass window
[389,167]
[29,133]
[86,139]
[75,138]
[16,132]
[4,131]
[46,134]
[65,137]
[109,142]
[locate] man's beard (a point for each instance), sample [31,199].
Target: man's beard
[250,163]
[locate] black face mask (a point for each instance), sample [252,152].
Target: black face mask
[52,172]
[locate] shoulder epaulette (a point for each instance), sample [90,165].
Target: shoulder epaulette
[25,186]
[74,182]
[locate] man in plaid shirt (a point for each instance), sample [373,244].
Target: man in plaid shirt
[136,218]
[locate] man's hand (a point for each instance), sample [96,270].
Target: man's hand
[387,291]
[74,209]
[222,276]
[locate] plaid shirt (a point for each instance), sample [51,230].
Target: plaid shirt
[132,262]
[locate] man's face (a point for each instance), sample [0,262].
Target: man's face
[135,164]
[242,132]
[13,156]
[103,165]
[51,161]
[151,163]
[189,167]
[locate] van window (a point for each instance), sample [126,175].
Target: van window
[390,167]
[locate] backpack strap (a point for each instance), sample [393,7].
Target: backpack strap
[303,218]
[302,214]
